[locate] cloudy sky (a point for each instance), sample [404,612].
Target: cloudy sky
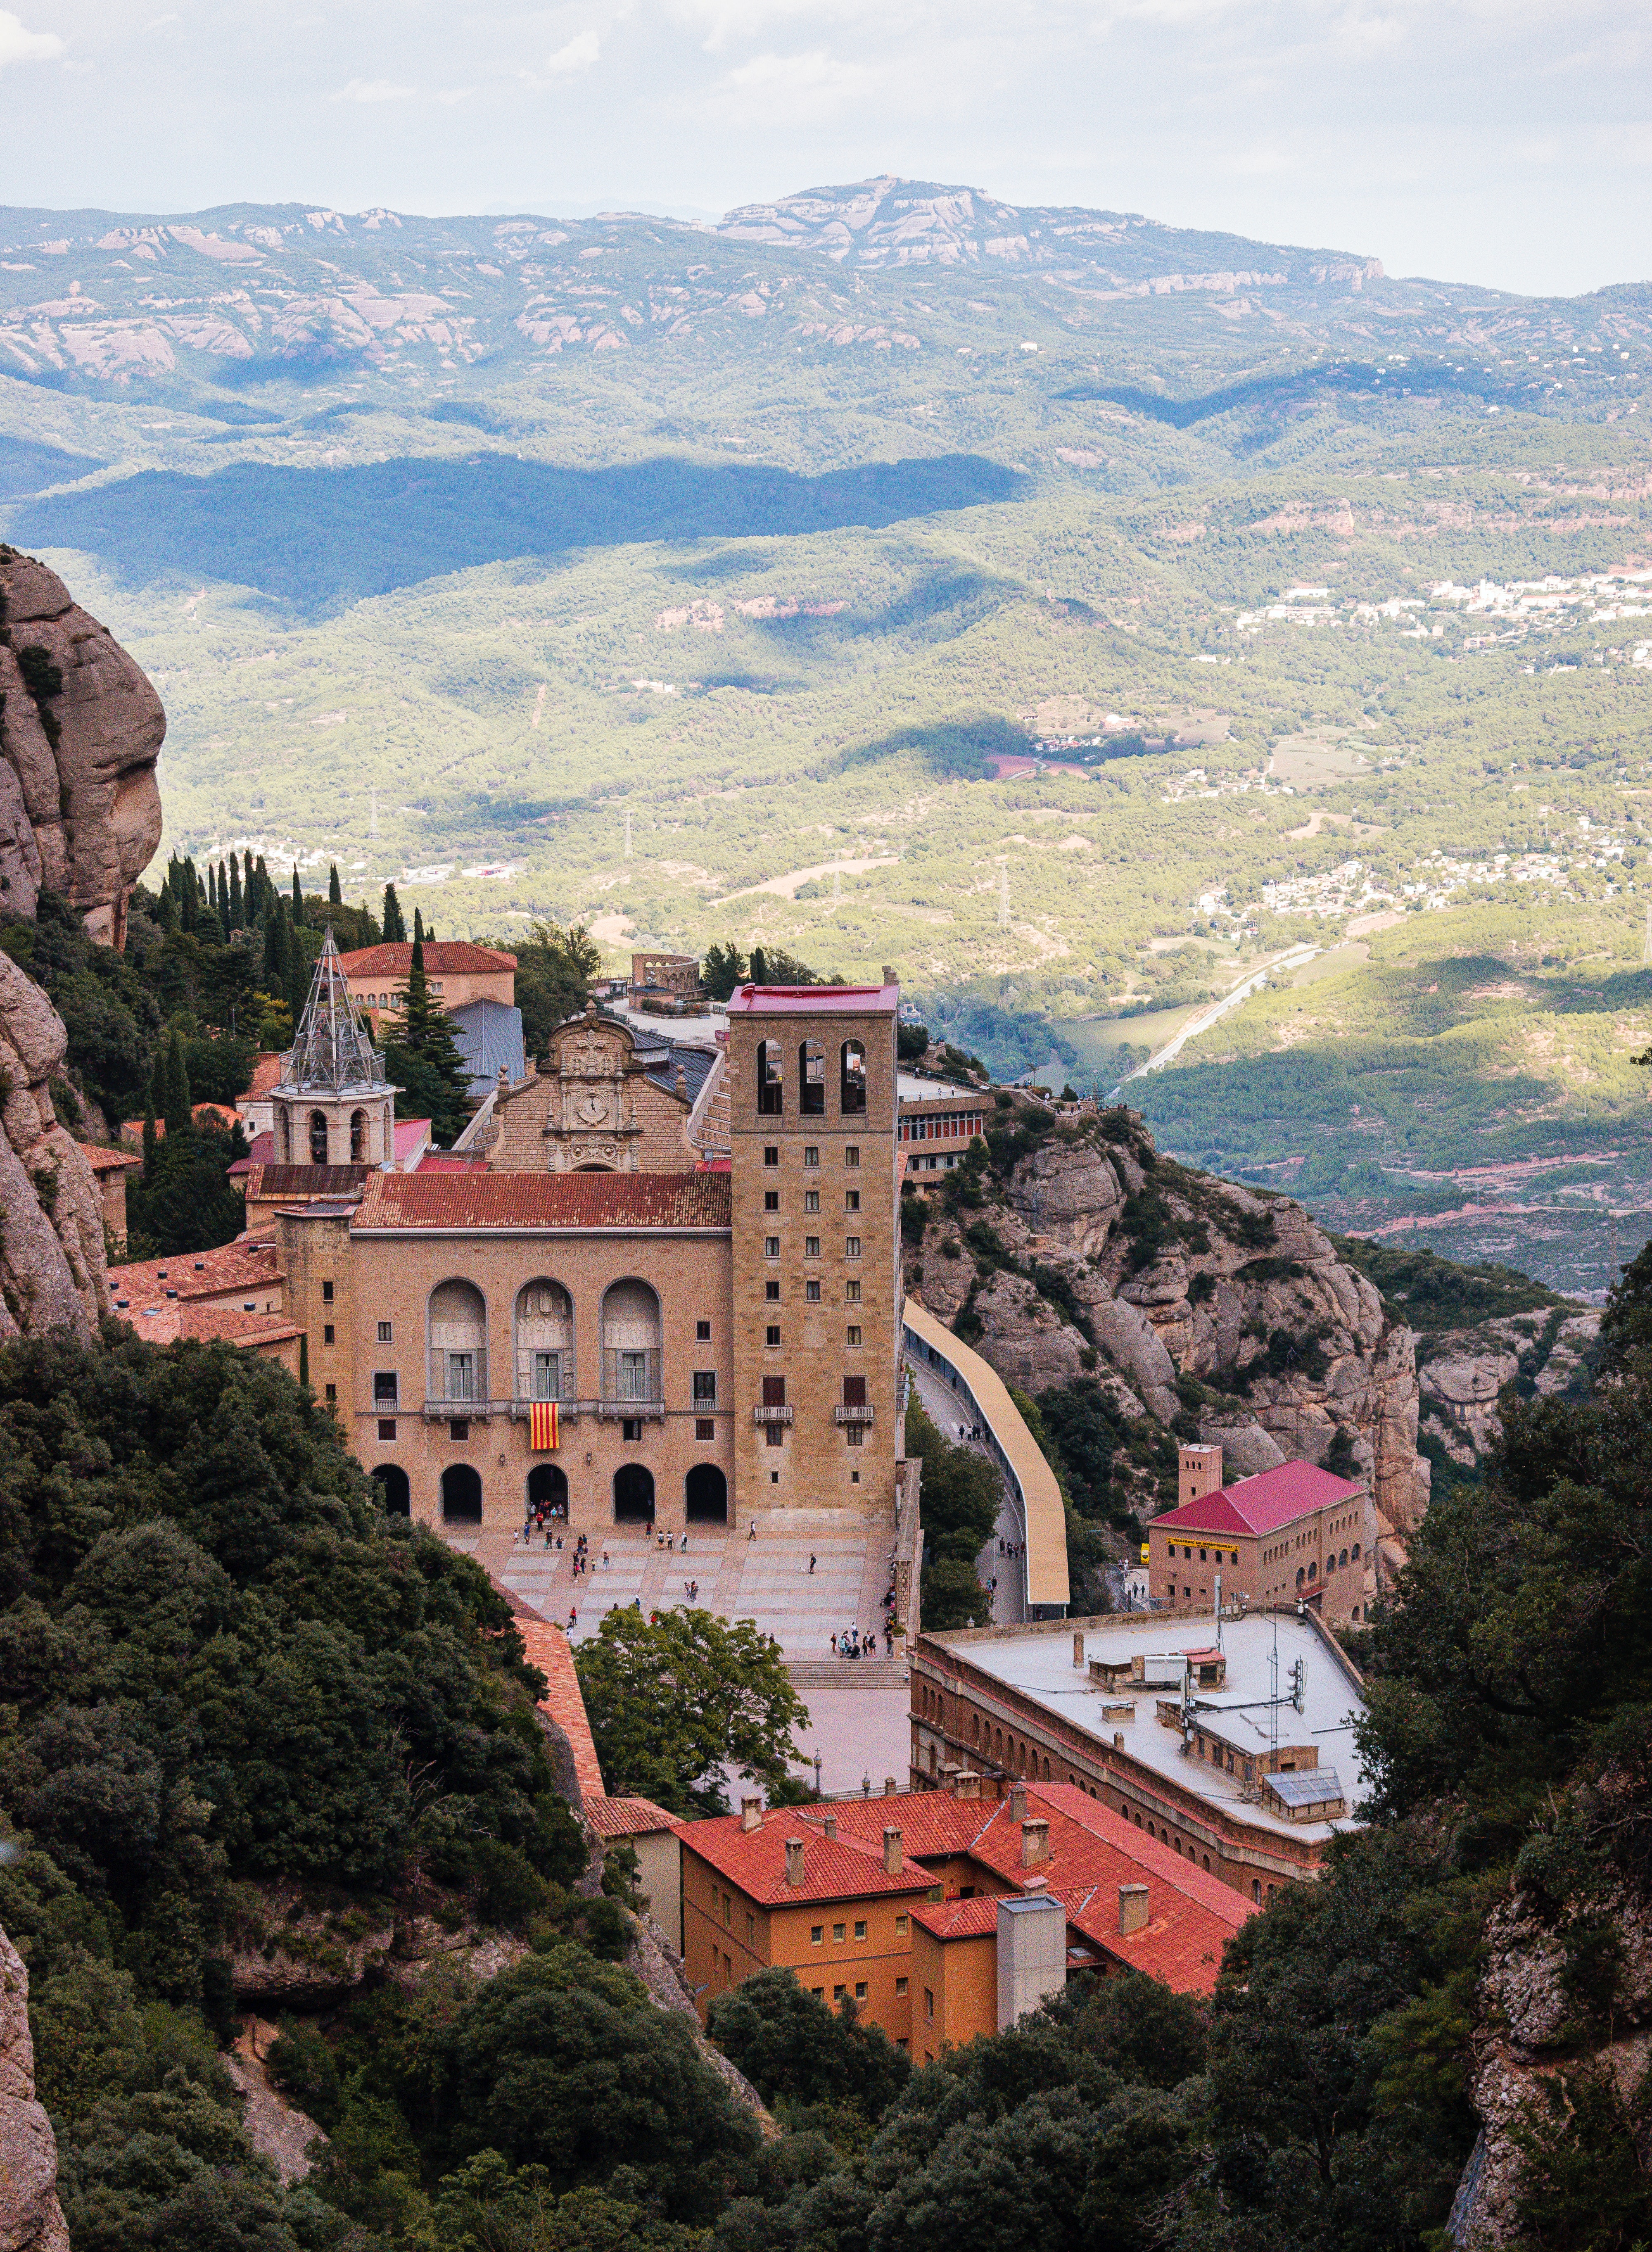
[1498,141]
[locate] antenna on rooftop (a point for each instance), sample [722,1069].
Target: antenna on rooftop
[1273,1704]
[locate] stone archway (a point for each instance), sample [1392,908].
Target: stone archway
[633,1495]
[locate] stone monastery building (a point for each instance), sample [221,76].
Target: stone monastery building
[644,1300]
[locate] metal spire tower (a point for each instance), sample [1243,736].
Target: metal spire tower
[332,1053]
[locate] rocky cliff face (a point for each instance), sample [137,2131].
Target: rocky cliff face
[80,730]
[30,2218]
[1119,1264]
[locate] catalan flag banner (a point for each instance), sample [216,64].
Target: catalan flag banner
[543,1421]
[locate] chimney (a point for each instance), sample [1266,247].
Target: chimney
[893,1860]
[1133,1909]
[751,1814]
[794,1863]
[1198,1472]
[1118,1739]
[1035,1844]
[831,1825]
[892,1789]
[966,1783]
[1078,1651]
[1018,1802]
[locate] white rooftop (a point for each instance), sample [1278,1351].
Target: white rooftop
[1040,1664]
[913,1089]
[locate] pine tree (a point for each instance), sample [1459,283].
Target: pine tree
[424,1057]
[395,928]
[176,1085]
[335,897]
[759,967]
[237,914]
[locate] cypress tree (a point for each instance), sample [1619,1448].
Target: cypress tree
[395,928]
[265,890]
[418,931]
[335,897]
[237,905]
[275,948]
[759,967]
[303,1358]
[189,896]
[211,886]
[168,908]
[176,1100]
[149,1107]
[298,896]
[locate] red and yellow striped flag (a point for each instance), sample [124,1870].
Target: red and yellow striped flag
[543,1421]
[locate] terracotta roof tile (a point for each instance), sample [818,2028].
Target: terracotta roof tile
[834,1869]
[547,1648]
[296,1181]
[626,1818]
[103,1160]
[267,1066]
[233,1266]
[442,1201]
[444,958]
[162,1321]
[1263,1504]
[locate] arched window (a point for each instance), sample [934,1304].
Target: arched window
[460,1495]
[393,1491]
[1301,1576]
[1355,1614]
[458,1322]
[548,1489]
[1341,1561]
[1354,1552]
[544,1341]
[853,1078]
[358,1137]
[770,1080]
[318,1137]
[706,1495]
[631,1344]
[1206,1859]
[1256,1890]
[283,1135]
[633,1495]
[1312,1569]
[811,1079]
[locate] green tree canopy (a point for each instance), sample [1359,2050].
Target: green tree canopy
[554,974]
[422,1057]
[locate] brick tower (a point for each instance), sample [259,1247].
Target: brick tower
[817,1248]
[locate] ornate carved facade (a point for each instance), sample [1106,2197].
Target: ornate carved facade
[597,1107]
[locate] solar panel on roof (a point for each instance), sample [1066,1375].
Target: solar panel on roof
[1312,1786]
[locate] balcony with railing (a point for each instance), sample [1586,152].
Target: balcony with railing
[771,1415]
[860,1414]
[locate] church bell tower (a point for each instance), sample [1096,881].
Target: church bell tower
[333,1105]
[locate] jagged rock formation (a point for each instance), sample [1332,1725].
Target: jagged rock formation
[1462,1371]
[30,2218]
[1122,1265]
[80,730]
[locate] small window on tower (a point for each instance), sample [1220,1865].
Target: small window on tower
[852,1292]
[327,1294]
[771,1153]
[771,1200]
[386,1332]
[854,1333]
[852,1155]
[811,1153]
[772,1335]
[703,1332]
[703,1428]
[771,1291]
[811,1293]
[771,1246]
[852,1201]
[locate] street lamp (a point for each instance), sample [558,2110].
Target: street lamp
[817,1774]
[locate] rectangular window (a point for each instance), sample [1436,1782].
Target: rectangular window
[631,1430]
[816,1934]
[837,1934]
[929,2006]
[851,1293]
[751,1931]
[838,1993]
[386,1332]
[771,1200]
[332,1395]
[903,1926]
[812,1246]
[771,1293]
[855,1434]
[860,1930]
[811,1292]
[819,1992]
[461,1376]
[706,1386]
[811,1153]
[327,1337]
[852,1155]
[852,1333]
[774,1435]
[771,1153]
[771,1335]
[852,1201]
[900,1988]
[634,1376]
[773,1392]
[852,1247]
[811,1199]
[705,1428]
[327,1294]
[771,1246]
[386,1430]
[854,1391]
[860,1990]
[703,1332]
[384,1390]
[459,1427]
[728,1908]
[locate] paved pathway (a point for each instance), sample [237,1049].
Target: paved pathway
[767,1580]
[946,1411]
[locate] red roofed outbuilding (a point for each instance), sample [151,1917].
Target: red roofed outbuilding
[1296,1533]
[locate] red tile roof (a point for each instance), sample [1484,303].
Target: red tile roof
[444,1202]
[813,1000]
[626,1818]
[834,1869]
[548,1649]
[443,957]
[295,1182]
[109,1161]
[960,1919]
[1262,1504]
[267,1066]
[160,1321]
[232,1267]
